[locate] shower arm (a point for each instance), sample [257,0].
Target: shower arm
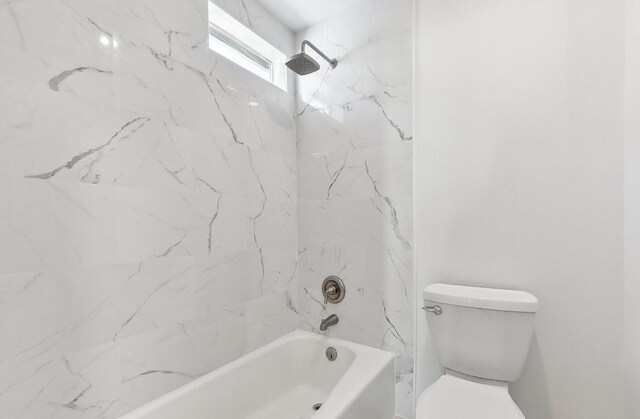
[333,62]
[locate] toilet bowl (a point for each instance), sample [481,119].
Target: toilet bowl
[453,397]
[482,338]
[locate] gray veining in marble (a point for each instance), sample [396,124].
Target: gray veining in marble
[156,224]
[147,231]
[355,181]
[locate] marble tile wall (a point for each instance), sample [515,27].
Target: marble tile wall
[147,211]
[355,181]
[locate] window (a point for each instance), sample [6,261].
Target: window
[236,42]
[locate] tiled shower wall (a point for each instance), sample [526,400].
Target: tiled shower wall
[147,210]
[355,181]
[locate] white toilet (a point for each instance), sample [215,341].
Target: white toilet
[482,337]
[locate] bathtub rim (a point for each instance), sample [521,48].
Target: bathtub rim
[367,365]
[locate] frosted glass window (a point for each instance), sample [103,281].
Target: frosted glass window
[234,41]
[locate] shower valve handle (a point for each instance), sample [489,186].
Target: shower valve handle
[329,292]
[333,290]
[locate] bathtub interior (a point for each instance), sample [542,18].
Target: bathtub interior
[284,381]
[308,379]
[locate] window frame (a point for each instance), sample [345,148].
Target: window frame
[239,44]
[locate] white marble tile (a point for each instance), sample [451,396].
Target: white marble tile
[264,176]
[154,224]
[162,25]
[374,222]
[57,312]
[49,318]
[368,172]
[99,144]
[47,225]
[272,315]
[280,271]
[365,122]
[312,224]
[109,380]
[178,29]
[48,134]
[275,223]
[355,165]
[27,28]
[208,96]
[157,199]
[404,386]
[178,290]
[61,311]
[204,285]
[177,198]
[366,100]
[376,311]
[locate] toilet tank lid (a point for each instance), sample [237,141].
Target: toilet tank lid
[483,298]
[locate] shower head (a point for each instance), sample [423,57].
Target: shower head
[304,64]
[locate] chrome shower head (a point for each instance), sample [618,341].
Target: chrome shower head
[304,64]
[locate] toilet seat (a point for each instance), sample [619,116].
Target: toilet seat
[454,397]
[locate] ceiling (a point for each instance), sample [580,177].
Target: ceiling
[300,14]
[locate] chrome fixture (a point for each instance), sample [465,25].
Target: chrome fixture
[332,320]
[333,290]
[304,64]
[332,354]
[437,310]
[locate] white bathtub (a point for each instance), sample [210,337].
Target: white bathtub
[284,380]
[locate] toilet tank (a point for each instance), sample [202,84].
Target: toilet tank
[482,332]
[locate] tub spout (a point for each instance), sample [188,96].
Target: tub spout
[332,320]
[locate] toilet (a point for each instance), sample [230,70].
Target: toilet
[482,337]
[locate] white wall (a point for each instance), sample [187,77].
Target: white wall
[519,160]
[632,209]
